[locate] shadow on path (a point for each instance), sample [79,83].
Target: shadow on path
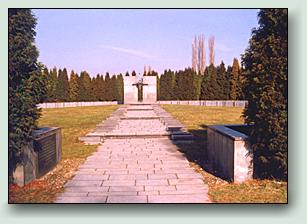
[196,151]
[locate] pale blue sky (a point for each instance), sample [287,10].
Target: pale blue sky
[117,41]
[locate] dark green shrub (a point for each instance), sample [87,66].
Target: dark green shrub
[265,68]
[26,83]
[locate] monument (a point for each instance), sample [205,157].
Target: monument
[133,86]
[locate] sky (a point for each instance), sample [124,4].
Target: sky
[116,41]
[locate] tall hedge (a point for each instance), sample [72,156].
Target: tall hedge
[265,87]
[26,83]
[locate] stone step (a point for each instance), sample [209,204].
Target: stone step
[188,141]
[138,109]
[136,135]
[182,137]
[180,132]
[139,118]
[174,128]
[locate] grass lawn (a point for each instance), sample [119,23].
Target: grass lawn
[195,118]
[75,122]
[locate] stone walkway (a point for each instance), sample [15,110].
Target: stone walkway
[131,168]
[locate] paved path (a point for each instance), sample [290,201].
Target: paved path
[136,170]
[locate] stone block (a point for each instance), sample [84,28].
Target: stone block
[151,182]
[83,183]
[126,188]
[191,198]
[118,183]
[160,188]
[101,199]
[39,155]
[127,199]
[229,153]
[189,181]
[78,189]
[161,176]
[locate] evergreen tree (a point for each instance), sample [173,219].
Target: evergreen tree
[239,89]
[228,83]
[94,89]
[221,82]
[108,87]
[184,84]
[80,95]
[62,87]
[73,86]
[203,87]
[234,79]
[47,77]
[167,84]
[27,85]
[158,88]
[85,87]
[46,73]
[114,88]
[210,84]
[58,89]
[197,79]
[101,88]
[265,64]
[87,83]
[127,74]
[120,88]
[133,73]
[51,87]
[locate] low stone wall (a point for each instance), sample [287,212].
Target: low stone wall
[215,103]
[229,153]
[76,104]
[39,156]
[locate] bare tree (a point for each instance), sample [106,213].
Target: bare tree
[203,55]
[211,50]
[198,54]
[194,61]
[149,70]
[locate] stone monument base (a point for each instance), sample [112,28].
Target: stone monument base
[39,156]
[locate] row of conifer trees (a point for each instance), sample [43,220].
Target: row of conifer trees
[217,83]
[82,87]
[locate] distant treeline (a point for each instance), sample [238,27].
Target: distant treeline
[217,83]
[82,87]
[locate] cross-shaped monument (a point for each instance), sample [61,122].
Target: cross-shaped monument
[140,85]
[136,90]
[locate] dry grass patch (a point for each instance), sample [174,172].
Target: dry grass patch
[45,189]
[75,122]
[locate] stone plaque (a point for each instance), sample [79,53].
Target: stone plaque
[46,152]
